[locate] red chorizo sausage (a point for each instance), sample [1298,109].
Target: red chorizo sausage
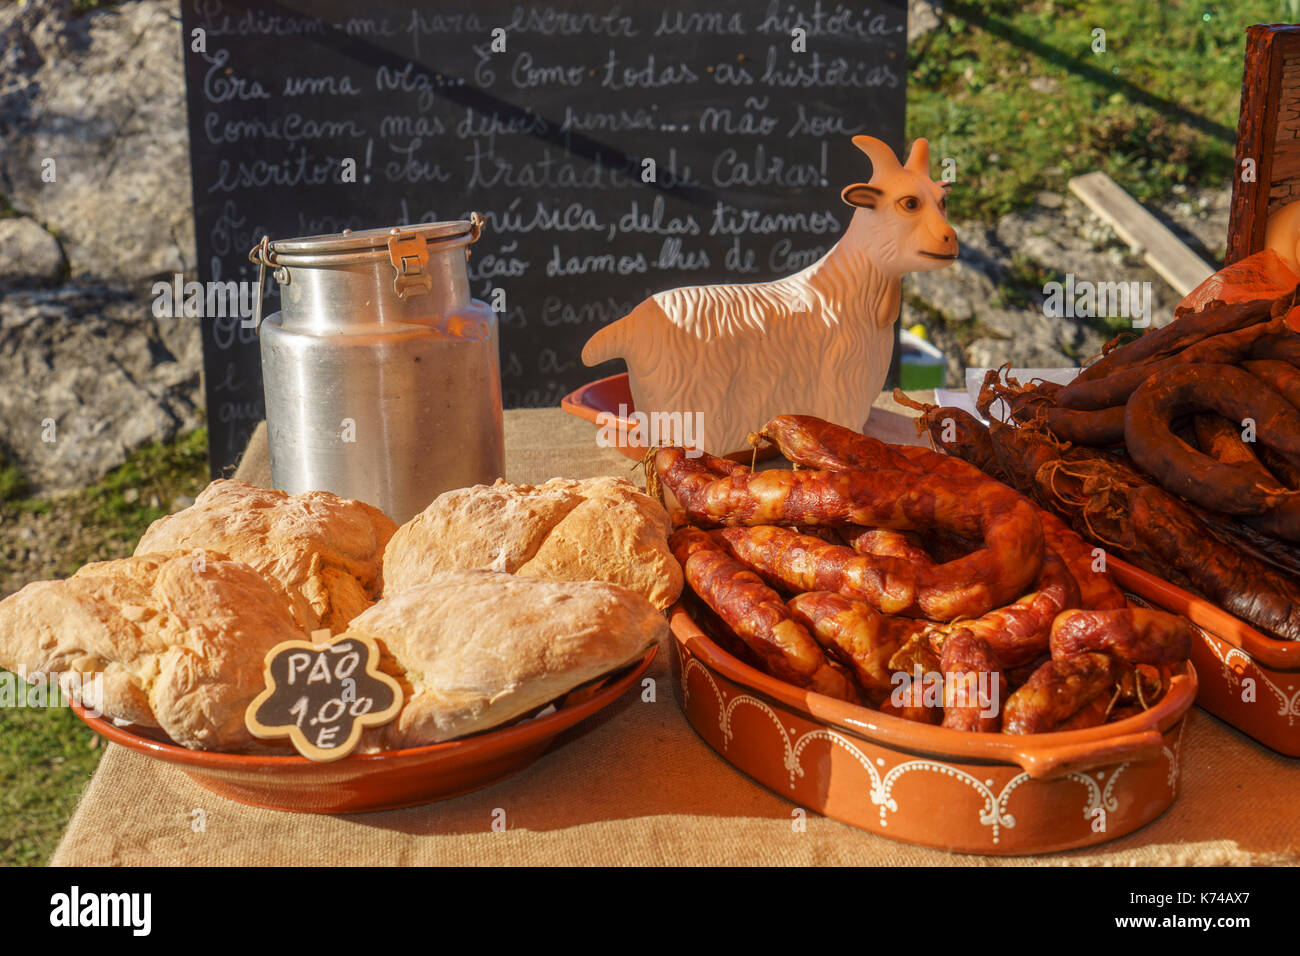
[856,633]
[1179,334]
[800,562]
[1282,377]
[1236,395]
[1056,692]
[1135,634]
[756,614]
[807,440]
[1006,524]
[1116,388]
[887,544]
[1019,632]
[973,686]
[1253,591]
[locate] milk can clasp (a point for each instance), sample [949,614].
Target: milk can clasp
[409,255]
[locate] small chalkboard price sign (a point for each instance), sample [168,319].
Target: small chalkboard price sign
[323,695]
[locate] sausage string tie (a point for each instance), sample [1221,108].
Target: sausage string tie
[1048,474]
[653,486]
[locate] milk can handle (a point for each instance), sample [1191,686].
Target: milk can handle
[264,256]
[475,230]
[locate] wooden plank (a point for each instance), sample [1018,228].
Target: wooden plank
[1183,269]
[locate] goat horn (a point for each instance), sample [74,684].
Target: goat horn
[918,161]
[883,160]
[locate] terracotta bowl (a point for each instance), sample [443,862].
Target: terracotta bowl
[608,401]
[382,781]
[1248,679]
[963,792]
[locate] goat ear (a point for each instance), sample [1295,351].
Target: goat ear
[861,195]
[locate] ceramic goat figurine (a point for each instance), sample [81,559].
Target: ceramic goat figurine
[818,342]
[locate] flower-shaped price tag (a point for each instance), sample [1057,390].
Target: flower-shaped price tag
[323,695]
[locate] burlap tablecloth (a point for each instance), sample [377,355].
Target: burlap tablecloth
[635,785]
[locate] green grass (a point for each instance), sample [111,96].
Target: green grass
[12,483]
[1158,107]
[47,754]
[131,497]
[46,757]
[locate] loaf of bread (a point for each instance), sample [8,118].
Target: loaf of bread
[179,638]
[179,632]
[325,551]
[476,649]
[600,529]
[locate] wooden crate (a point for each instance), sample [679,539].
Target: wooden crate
[1268,132]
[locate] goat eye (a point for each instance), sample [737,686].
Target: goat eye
[910,203]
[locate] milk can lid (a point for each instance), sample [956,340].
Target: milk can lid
[368,239]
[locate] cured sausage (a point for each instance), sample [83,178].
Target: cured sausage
[1092,714]
[800,562]
[973,686]
[1101,427]
[1097,589]
[757,615]
[885,543]
[1006,524]
[856,633]
[1281,469]
[1232,393]
[1253,591]
[1116,388]
[1283,346]
[911,708]
[1183,332]
[1137,635]
[1282,377]
[1221,440]
[816,443]
[1056,692]
[915,655]
[1019,632]
[1090,424]
[806,440]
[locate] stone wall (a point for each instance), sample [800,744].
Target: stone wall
[94,183]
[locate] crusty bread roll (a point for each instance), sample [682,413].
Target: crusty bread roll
[475,649]
[325,551]
[179,638]
[600,529]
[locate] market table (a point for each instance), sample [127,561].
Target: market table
[635,785]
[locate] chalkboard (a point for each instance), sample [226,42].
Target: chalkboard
[323,696]
[541,118]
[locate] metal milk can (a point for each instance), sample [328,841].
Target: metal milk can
[381,374]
